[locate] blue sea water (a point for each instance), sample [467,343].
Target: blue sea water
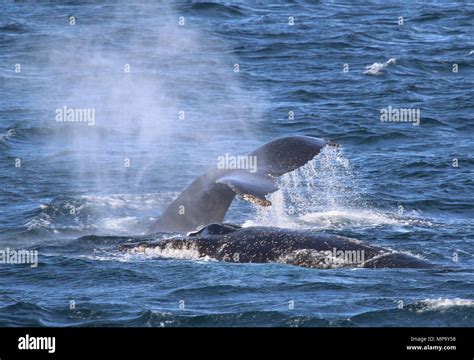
[176,84]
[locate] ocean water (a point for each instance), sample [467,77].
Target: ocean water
[174,85]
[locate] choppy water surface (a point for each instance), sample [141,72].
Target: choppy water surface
[183,103]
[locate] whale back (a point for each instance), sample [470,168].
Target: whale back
[230,243]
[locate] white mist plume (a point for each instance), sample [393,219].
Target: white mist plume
[179,99]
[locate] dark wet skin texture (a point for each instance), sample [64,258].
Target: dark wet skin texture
[231,243]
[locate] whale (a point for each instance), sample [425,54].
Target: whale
[207,199]
[262,244]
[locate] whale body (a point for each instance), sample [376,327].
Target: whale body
[232,243]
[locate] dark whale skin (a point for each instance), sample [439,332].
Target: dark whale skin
[231,243]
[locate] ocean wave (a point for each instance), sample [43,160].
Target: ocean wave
[367,137]
[5,136]
[213,9]
[183,318]
[14,28]
[430,312]
[22,313]
[104,214]
[232,319]
[28,133]
[24,133]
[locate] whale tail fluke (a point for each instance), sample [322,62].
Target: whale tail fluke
[207,198]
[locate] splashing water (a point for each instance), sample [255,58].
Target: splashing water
[322,194]
[324,184]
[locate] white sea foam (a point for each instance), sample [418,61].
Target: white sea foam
[41,221]
[377,68]
[139,254]
[189,252]
[122,257]
[114,214]
[6,135]
[443,304]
